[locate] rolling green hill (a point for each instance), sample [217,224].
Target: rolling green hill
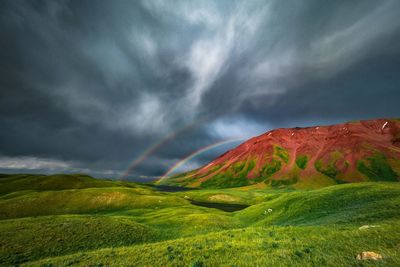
[101,223]
[18,182]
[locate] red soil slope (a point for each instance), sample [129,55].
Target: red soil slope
[307,157]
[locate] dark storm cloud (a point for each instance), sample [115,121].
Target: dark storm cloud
[89,86]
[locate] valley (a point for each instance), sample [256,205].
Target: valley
[78,220]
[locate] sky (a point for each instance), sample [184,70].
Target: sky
[127,89]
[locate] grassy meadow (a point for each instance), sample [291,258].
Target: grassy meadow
[76,220]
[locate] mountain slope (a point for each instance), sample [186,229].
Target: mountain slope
[308,157]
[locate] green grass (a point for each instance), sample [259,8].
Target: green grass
[19,182]
[360,203]
[269,169]
[247,167]
[235,176]
[34,238]
[301,161]
[225,180]
[328,169]
[377,168]
[281,153]
[255,246]
[83,201]
[128,224]
[283,182]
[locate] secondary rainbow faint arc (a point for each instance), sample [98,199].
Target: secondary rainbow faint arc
[150,150]
[156,146]
[197,152]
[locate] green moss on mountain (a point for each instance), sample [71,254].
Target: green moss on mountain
[301,161]
[238,167]
[268,170]
[225,180]
[377,168]
[238,171]
[281,153]
[251,165]
[248,166]
[271,168]
[329,169]
[216,167]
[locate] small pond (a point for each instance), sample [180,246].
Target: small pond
[170,188]
[221,206]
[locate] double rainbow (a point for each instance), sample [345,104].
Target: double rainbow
[196,153]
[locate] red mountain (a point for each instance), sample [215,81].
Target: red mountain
[306,157]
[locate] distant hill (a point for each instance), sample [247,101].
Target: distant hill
[309,157]
[38,182]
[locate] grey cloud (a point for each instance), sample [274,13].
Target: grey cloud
[99,83]
[31,163]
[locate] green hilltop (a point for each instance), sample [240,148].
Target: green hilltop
[76,220]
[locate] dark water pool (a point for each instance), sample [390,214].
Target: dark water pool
[221,206]
[169,188]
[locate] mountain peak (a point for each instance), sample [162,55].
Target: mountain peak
[306,157]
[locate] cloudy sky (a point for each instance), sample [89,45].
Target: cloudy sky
[103,87]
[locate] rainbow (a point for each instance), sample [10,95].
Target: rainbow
[157,145]
[150,151]
[196,153]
